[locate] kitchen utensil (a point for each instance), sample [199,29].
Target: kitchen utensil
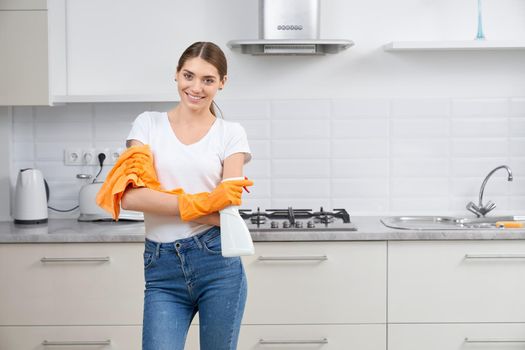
[31,196]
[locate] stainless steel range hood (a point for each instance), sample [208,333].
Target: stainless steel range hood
[289,27]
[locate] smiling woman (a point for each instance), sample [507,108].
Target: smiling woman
[193,150]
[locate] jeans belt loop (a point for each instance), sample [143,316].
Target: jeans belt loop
[197,241]
[157,250]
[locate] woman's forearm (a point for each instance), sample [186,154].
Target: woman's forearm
[150,201]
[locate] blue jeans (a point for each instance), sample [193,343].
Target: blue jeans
[187,276]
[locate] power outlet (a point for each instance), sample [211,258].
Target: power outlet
[89,156]
[73,156]
[106,152]
[115,154]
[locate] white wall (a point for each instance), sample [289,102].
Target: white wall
[141,55]
[375,132]
[370,156]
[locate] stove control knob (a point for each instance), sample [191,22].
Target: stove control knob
[298,224]
[274,224]
[310,224]
[286,224]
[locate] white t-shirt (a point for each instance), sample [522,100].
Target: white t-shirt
[195,168]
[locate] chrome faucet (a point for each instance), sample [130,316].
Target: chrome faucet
[480,209]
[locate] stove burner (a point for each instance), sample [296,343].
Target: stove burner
[291,218]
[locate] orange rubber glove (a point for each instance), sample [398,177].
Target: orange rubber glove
[192,206]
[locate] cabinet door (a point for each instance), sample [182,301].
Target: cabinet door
[456,336]
[24,58]
[456,281]
[316,282]
[71,337]
[326,337]
[78,284]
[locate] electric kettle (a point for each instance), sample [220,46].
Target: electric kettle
[31,196]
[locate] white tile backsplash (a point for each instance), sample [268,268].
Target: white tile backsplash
[360,148]
[361,108]
[301,168]
[360,128]
[372,156]
[474,127]
[480,107]
[289,149]
[517,107]
[420,108]
[420,147]
[305,129]
[300,109]
[418,128]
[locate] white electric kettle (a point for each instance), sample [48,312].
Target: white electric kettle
[31,196]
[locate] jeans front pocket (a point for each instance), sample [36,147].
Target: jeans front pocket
[148,259]
[213,244]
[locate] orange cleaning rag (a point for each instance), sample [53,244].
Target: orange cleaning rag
[133,168]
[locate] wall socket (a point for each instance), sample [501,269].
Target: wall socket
[89,156]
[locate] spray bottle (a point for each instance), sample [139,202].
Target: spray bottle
[235,237]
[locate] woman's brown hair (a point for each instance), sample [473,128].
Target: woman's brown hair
[209,52]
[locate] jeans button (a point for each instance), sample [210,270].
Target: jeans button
[177,245]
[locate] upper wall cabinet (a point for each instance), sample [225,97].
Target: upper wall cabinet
[24,59]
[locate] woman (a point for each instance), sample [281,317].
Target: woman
[184,269]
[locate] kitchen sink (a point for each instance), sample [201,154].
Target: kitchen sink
[445,222]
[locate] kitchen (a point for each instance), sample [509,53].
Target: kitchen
[375,130]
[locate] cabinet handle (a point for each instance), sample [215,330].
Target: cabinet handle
[76,343]
[293,258]
[495,256]
[284,342]
[94,259]
[493,340]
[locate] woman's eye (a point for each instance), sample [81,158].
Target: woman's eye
[209,81]
[187,76]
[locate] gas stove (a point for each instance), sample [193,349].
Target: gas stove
[297,220]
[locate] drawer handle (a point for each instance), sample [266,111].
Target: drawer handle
[76,343]
[495,256]
[59,260]
[293,258]
[284,342]
[493,340]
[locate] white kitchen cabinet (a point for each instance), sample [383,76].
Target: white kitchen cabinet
[456,281]
[326,337]
[493,336]
[82,284]
[24,59]
[316,283]
[71,337]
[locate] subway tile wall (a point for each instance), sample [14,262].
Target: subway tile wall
[370,156]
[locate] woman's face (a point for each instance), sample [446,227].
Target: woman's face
[198,82]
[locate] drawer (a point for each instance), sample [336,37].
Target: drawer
[316,282]
[486,336]
[456,281]
[325,337]
[71,337]
[88,284]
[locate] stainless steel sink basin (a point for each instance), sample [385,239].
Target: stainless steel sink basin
[445,222]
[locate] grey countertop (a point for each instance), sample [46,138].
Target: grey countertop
[369,228]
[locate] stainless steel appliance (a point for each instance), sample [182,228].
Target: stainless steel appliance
[90,211]
[31,196]
[297,220]
[289,27]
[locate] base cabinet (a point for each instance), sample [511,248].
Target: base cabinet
[326,337]
[71,337]
[493,336]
